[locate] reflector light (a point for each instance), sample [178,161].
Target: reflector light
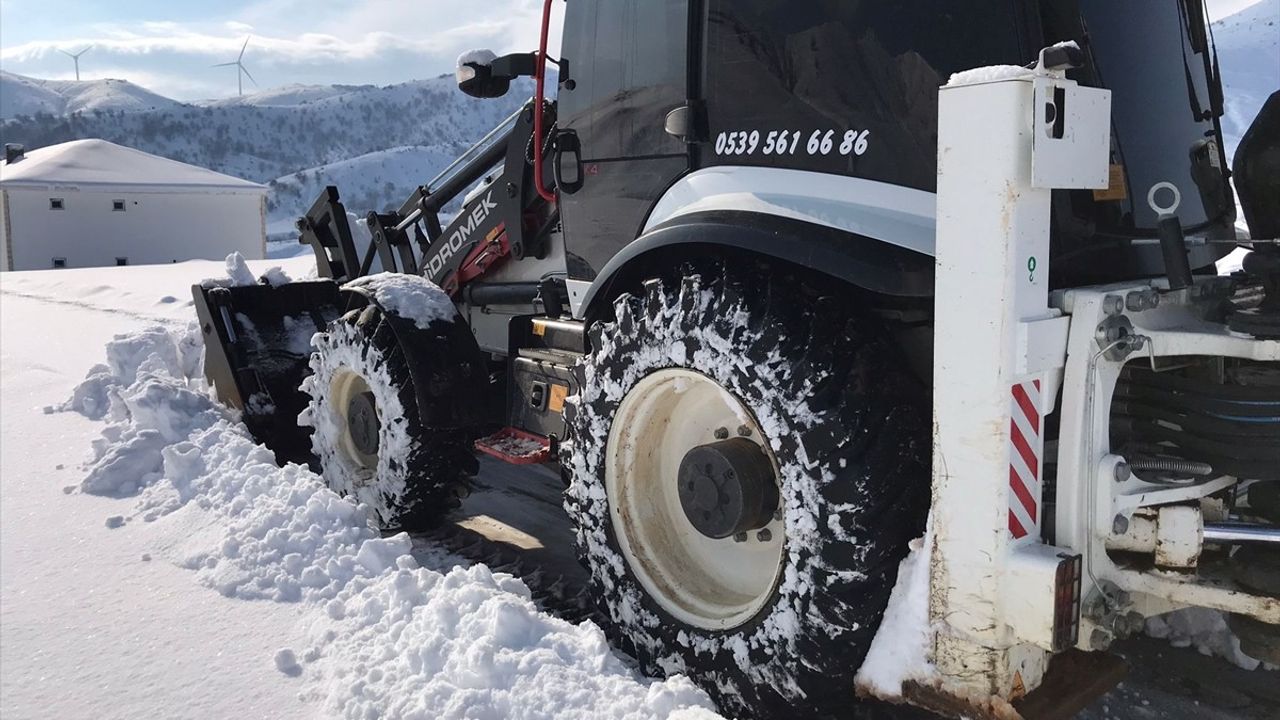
[1066,602]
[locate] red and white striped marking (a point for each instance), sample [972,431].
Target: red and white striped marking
[1026,448]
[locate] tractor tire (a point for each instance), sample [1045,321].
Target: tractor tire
[370,438]
[774,621]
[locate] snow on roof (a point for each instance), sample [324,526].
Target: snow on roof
[100,163]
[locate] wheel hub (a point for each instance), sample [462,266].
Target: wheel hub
[682,497]
[727,488]
[362,422]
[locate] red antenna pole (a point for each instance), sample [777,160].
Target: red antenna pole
[539,95]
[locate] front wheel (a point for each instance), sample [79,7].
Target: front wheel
[748,462]
[372,438]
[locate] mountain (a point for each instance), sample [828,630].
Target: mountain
[1249,52]
[287,95]
[368,180]
[375,143]
[21,95]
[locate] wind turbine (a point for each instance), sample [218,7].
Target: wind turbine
[76,58]
[241,71]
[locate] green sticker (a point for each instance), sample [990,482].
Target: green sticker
[1031,268]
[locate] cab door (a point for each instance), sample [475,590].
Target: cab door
[627,68]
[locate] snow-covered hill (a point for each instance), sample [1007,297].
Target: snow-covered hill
[287,95]
[21,95]
[367,181]
[1249,51]
[375,143]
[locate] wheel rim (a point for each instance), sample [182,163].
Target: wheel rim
[346,390]
[704,582]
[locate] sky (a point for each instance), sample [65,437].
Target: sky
[169,46]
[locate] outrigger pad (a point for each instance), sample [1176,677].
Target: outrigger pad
[257,353]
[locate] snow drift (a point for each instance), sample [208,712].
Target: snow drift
[388,638]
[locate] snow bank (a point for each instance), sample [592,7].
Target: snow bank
[152,351]
[1203,629]
[275,276]
[409,296]
[388,638]
[238,274]
[900,649]
[470,643]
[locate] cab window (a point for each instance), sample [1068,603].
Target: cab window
[843,86]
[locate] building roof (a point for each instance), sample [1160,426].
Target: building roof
[98,163]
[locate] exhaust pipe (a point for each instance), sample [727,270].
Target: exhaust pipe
[1241,534]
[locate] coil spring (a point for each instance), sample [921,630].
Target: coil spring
[1172,466]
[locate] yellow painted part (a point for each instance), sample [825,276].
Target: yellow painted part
[558,394]
[1116,187]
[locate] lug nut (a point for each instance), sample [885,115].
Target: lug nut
[1112,305]
[744,431]
[764,535]
[722,433]
[777,514]
[740,537]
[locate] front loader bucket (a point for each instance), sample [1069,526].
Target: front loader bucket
[257,351]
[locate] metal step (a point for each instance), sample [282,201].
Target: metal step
[515,446]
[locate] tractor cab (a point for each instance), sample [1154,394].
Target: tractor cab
[651,92]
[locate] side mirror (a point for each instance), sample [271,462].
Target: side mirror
[482,74]
[475,75]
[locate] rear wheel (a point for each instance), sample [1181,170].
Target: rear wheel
[369,434]
[748,462]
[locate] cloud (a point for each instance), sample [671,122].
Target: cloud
[371,41]
[157,38]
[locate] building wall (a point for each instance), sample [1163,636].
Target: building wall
[155,227]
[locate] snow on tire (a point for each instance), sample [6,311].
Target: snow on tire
[847,430]
[408,473]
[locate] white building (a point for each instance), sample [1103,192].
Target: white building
[92,203]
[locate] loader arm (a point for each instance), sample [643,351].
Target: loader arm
[258,336]
[501,216]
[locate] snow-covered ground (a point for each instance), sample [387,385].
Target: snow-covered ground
[155,562]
